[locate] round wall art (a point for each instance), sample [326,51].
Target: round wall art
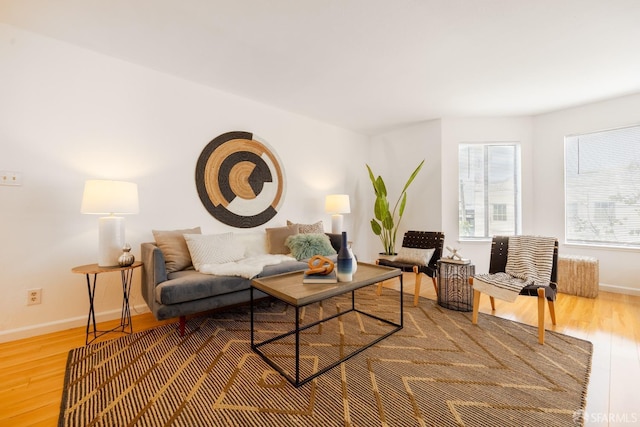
[240,180]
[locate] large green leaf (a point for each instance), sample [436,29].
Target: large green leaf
[371,176]
[375,226]
[387,222]
[413,176]
[381,208]
[402,204]
[380,188]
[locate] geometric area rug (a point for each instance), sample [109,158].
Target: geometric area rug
[439,370]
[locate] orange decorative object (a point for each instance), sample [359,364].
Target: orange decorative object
[320,265]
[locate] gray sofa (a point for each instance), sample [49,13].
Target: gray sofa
[182,293]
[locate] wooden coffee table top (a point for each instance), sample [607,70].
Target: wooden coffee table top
[288,287]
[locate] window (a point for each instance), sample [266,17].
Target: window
[489,193]
[602,188]
[499,211]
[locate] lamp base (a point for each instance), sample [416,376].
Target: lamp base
[336,223]
[110,240]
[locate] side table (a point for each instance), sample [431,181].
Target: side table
[126,274]
[454,290]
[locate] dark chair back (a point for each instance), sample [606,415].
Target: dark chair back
[425,240]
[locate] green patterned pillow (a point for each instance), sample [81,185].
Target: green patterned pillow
[305,246]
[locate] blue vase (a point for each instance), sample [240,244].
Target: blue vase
[345,261]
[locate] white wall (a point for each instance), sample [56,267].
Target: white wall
[68,114]
[618,267]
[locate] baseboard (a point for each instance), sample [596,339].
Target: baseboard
[64,324]
[619,289]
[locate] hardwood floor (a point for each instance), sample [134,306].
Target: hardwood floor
[32,370]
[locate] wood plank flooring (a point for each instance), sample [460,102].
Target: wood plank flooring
[32,370]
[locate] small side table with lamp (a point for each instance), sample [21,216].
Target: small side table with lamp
[110,198]
[126,274]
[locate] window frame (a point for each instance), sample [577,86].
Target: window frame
[601,213]
[488,207]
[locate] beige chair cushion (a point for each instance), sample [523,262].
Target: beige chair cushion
[414,256]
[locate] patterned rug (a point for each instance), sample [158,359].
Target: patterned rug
[440,370]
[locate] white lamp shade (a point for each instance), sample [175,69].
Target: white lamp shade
[109,197]
[337,204]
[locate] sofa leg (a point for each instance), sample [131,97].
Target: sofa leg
[183,323]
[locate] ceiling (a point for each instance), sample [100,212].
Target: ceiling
[367,65]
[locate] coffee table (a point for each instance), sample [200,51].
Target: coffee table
[288,288]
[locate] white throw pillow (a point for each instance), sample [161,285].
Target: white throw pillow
[255,243]
[414,256]
[213,249]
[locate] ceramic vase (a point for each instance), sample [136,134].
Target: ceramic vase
[127,258]
[345,261]
[355,261]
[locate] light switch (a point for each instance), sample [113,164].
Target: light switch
[10,178]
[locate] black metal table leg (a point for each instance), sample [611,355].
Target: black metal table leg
[126,276]
[125,316]
[92,312]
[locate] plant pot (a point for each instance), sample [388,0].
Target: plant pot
[388,257]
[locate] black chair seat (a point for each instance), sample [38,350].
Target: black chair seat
[425,269]
[550,291]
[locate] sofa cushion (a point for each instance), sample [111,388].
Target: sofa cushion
[190,285]
[336,240]
[314,228]
[276,237]
[174,247]
[305,246]
[213,249]
[254,242]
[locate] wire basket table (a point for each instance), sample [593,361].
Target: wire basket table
[454,290]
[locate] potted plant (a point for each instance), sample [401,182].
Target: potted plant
[385,224]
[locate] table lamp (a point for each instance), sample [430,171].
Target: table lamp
[337,204]
[110,198]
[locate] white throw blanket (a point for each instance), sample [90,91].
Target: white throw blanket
[246,267]
[529,261]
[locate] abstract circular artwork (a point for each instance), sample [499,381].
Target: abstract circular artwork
[240,180]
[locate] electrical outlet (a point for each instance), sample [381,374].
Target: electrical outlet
[10,178]
[34,296]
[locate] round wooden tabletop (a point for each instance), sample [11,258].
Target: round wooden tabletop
[95,268]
